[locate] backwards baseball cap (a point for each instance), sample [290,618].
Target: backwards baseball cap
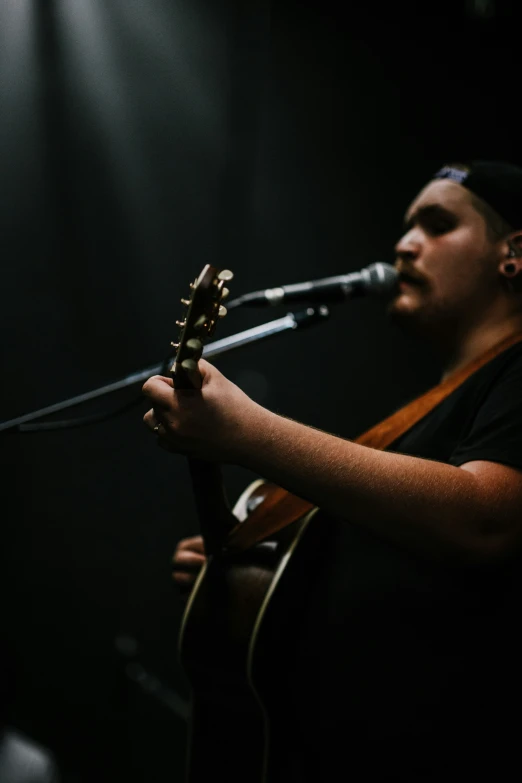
[498,184]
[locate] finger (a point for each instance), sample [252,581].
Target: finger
[152,421]
[150,418]
[160,379]
[159,389]
[188,560]
[195,543]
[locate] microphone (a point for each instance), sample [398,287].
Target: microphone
[374,280]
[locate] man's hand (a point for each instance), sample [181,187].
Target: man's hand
[211,423]
[188,560]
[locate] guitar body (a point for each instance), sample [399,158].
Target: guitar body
[237,646]
[276,638]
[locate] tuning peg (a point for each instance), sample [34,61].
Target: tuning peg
[196,346]
[181,323]
[225,275]
[175,345]
[200,323]
[185,302]
[190,367]
[222,311]
[224,293]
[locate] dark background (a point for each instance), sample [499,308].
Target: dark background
[138,141]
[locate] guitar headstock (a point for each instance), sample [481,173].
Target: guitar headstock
[204,309]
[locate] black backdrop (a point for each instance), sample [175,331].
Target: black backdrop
[140,140]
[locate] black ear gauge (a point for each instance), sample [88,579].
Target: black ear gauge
[510,268]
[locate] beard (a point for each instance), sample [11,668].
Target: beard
[437,321]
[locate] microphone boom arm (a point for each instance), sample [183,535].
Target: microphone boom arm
[291,321]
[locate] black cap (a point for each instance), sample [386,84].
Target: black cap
[497,183]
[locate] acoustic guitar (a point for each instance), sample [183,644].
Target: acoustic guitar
[227,634]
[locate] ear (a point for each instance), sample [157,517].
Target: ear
[511,256]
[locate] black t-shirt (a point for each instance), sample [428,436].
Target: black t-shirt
[411,668]
[481,420]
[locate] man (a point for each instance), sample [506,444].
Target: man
[447,495]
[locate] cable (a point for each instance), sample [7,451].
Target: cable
[94,418]
[80,421]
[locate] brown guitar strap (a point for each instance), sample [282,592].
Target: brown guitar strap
[384,433]
[284,508]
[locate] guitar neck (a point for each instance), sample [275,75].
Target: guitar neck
[204,310]
[215,517]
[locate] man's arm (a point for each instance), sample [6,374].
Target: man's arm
[471,513]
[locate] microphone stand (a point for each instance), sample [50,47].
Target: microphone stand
[291,321]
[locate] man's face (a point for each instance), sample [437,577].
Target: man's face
[447,265]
